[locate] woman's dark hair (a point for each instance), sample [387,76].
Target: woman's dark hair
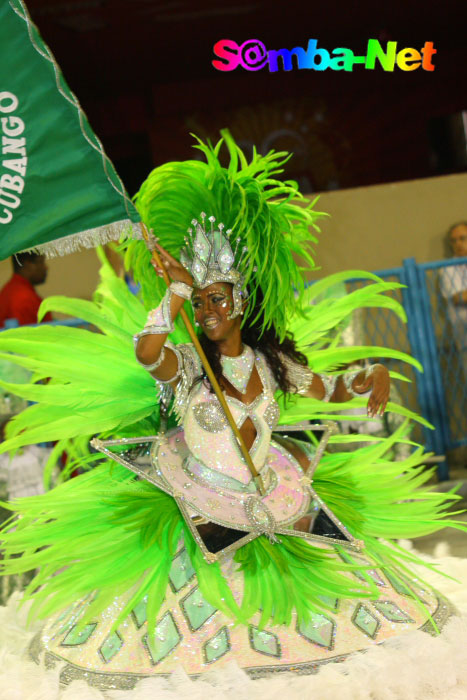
[266,341]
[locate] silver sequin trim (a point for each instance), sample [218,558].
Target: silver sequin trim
[299,376]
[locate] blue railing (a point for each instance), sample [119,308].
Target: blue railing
[434,335]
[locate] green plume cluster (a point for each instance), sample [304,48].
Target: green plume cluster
[270,217]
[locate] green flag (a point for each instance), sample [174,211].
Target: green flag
[58,189]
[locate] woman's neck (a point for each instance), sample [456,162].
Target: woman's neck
[231,347]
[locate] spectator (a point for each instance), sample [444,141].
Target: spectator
[453,285]
[18,298]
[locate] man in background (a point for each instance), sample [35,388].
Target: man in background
[18,298]
[453,286]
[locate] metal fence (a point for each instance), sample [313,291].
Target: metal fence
[435,334]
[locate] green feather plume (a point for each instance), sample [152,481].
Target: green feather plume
[268,216]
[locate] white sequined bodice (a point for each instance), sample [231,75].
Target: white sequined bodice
[207,432]
[215,454]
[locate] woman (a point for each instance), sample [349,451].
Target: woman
[238,370]
[193,563]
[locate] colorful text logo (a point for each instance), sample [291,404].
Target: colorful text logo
[252,55]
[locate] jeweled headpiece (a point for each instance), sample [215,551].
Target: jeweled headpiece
[209,258]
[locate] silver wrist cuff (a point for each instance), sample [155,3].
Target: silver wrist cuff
[181,290]
[349,378]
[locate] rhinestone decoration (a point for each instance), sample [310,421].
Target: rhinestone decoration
[196,609]
[165,639]
[139,612]
[225,258]
[110,647]
[365,621]
[319,630]
[237,370]
[272,415]
[391,611]
[264,642]
[210,416]
[201,245]
[217,646]
[76,636]
[199,270]
[181,571]
[259,515]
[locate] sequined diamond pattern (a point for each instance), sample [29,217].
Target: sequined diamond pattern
[391,611]
[139,612]
[181,571]
[365,621]
[319,630]
[79,635]
[330,602]
[165,639]
[217,646]
[196,609]
[367,573]
[399,584]
[264,642]
[110,647]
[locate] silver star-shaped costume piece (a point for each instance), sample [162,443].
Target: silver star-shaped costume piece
[140,455]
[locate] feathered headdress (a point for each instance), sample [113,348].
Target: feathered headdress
[267,220]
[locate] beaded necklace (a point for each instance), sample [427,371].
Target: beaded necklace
[237,370]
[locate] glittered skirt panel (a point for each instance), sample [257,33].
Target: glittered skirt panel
[193,634]
[127,592]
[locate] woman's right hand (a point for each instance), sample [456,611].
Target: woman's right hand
[173,267]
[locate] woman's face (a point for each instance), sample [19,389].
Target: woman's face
[458,240]
[213,306]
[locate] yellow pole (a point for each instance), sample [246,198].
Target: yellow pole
[214,383]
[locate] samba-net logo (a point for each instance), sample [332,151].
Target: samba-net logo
[252,55]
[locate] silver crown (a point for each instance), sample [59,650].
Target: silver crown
[209,258]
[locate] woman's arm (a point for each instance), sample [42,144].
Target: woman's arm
[162,362]
[374,378]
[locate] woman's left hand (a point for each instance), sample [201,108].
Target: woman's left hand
[379,382]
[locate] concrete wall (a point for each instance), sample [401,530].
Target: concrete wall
[373,228]
[369,228]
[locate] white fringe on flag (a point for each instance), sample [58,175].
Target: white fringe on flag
[89,239]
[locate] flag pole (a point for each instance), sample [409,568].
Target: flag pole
[211,376]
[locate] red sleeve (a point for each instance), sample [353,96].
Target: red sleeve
[24,307]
